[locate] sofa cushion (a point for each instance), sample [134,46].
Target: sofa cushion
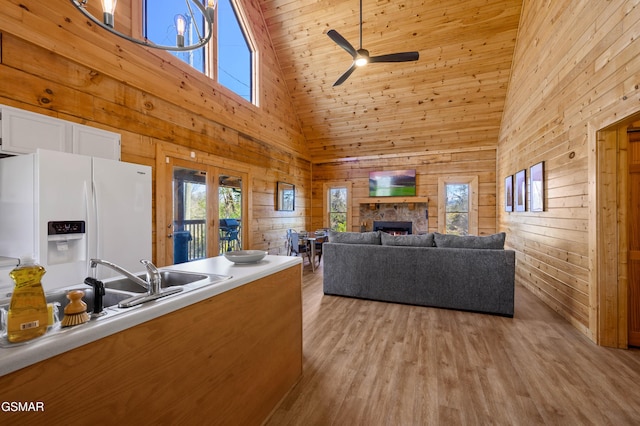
[425,240]
[495,241]
[355,237]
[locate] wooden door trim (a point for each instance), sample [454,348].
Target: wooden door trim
[166,215]
[163,190]
[608,318]
[247,243]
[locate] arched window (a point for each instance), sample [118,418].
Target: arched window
[230,61]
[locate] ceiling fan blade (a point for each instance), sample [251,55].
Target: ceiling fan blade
[342,42]
[344,76]
[396,57]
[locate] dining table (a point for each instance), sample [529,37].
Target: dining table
[311,240]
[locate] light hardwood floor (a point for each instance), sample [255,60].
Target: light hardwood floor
[374,363]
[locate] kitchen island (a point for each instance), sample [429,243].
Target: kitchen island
[225,353]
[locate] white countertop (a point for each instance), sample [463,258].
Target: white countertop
[22,355]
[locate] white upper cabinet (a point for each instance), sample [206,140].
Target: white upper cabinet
[23,132]
[88,140]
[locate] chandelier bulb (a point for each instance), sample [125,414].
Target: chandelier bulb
[203,31]
[108,11]
[181,26]
[211,5]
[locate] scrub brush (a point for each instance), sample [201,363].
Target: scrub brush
[75,313]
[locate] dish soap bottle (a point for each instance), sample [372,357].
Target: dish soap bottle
[28,314]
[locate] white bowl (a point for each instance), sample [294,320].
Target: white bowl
[245,256]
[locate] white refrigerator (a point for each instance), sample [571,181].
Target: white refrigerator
[64,209]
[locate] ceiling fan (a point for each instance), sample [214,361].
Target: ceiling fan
[361,56]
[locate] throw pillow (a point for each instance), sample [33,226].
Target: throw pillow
[424,240]
[495,241]
[355,237]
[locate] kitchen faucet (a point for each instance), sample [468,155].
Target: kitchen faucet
[153,283]
[153,277]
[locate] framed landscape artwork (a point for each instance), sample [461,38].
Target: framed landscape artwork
[508,193]
[536,187]
[521,191]
[396,183]
[286,197]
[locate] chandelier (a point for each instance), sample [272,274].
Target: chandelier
[203,33]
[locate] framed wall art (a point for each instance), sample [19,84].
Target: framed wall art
[536,187]
[521,191]
[286,197]
[508,193]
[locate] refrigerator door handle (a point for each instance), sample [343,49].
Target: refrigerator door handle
[92,206]
[96,216]
[88,202]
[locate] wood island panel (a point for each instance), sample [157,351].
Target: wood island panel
[228,359]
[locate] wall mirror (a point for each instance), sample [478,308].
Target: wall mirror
[286,197]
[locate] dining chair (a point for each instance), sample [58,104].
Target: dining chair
[298,245]
[229,234]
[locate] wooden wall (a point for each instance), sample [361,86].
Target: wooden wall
[452,98]
[429,167]
[576,70]
[54,62]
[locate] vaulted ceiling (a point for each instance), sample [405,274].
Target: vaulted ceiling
[451,98]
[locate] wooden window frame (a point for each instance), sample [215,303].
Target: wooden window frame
[472,181]
[326,187]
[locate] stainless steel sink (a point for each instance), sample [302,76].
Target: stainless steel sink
[169,279]
[111,298]
[121,294]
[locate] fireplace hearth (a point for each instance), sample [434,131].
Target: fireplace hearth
[393,227]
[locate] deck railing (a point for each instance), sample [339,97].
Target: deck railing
[197,245]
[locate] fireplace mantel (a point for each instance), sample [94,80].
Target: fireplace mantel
[373,201]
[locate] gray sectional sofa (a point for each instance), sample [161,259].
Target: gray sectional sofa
[445,271]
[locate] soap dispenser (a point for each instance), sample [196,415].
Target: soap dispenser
[28,314]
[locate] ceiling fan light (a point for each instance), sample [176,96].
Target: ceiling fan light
[361,61]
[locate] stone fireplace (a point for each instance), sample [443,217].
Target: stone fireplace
[415,213]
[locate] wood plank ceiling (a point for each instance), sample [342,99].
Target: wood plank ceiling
[450,99]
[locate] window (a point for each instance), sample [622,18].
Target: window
[338,209]
[159,27]
[337,206]
[457,205]
[230,62]
[457,208]
[234,52]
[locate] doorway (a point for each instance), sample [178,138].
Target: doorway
[186,203]
[189,214]
[633,234]
[615,285]
[230,202]
[201,208]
